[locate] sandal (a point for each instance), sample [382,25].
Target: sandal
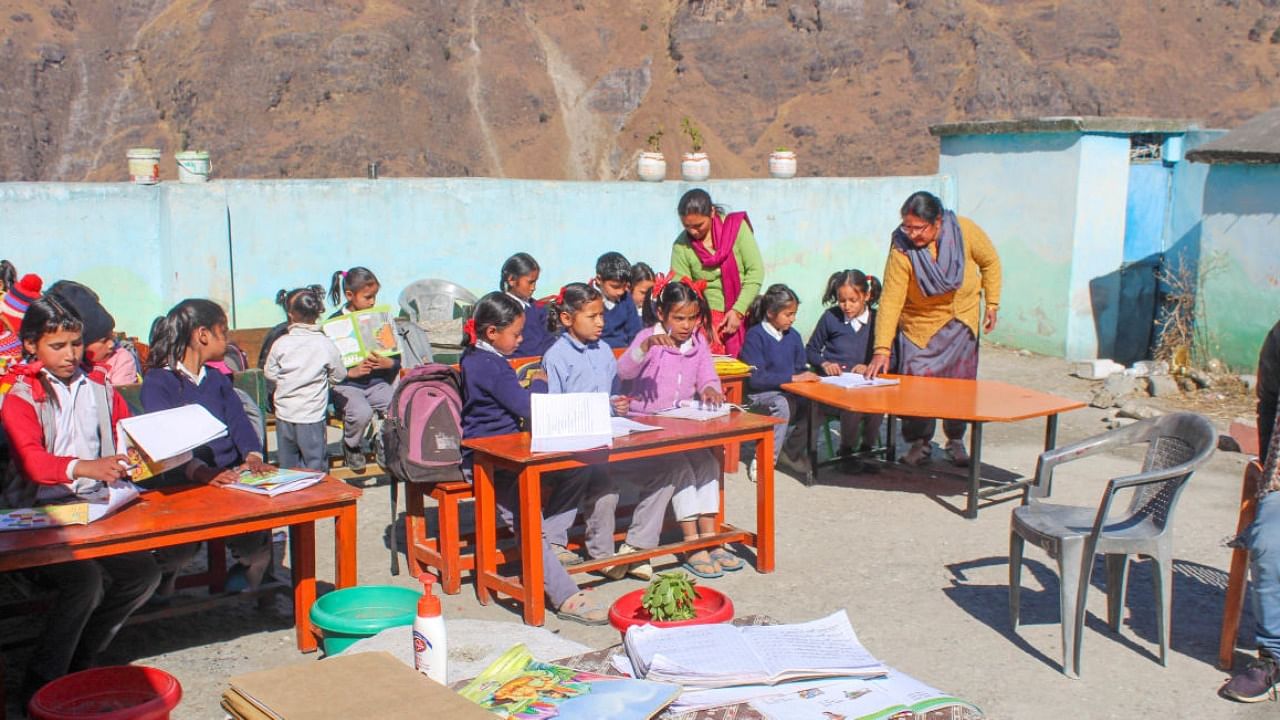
[580,609]
[706,569]
[726,560]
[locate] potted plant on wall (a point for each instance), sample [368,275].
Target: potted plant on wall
[652,165]
[696,166]
[782,163]
[671,598]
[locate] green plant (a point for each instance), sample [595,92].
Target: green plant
[695,135]
[781,148]
[670,596]
[655,141]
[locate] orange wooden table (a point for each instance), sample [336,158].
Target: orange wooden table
[973,401]
[734,387]
[195,513]
[511,452]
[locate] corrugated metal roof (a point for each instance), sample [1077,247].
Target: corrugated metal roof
[1256,142]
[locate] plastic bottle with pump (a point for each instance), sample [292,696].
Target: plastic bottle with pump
[430,645]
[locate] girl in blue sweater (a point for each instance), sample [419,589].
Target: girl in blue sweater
[520,280]
[494,403]
[776,354]
[842,342]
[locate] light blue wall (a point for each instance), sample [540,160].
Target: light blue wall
[144,248]
[1022,190]
[1097,246]
[1146,217]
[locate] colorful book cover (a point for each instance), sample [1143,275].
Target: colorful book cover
[518,687]
[360,333]
[45,516]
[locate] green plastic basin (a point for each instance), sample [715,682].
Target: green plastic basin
[350,614]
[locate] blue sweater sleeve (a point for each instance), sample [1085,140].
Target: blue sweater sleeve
[506,391]
[818,342]
[792,342]
[770,372]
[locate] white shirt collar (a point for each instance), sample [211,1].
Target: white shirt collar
[774,332]
[859,322]
[484,345]
[197,378]
[519,299]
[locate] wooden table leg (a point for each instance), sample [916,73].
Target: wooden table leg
[344,551]
[975,469]
[764,503]
[733,394]
[531,546]
[486,527]
[302,553]
[722,459]
[1237,580]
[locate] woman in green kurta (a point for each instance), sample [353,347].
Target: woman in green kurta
[721,249]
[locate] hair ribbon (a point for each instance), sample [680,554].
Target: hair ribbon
[560,297]
[660,283]
[699,287]
[469,329]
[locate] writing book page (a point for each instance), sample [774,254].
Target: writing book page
[695,410]
[692,651]
[625,426]
[825,644]
[877,697]
[855,380]
[119,494]
[566,422]
[169,433]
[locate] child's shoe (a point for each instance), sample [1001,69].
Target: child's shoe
[957,452]
[353,459]
[566,556]
[920,453]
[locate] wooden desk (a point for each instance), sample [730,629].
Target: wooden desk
[511,452]
[735,391]
[973,401]
[195,513]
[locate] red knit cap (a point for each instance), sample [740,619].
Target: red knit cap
[16,300]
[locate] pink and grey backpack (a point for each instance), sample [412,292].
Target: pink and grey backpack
[422,433]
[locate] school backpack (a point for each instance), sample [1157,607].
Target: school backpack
[422,433]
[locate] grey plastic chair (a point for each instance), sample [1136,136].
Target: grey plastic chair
[1177,445]
[436,301]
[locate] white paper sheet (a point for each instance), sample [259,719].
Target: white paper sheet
[855,380]
[695,410]
[170,433]
[566,422]
[854,698]
[626,426]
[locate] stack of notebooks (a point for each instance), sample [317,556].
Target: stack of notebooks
[361,685]
[276,482]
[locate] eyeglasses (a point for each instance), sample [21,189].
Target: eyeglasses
[913,230]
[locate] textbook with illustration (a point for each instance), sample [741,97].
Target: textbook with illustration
[712,656]
[895,695]
[697,410]
[359,333]
[856,380]
[517,686]
[80,512]
[567,422]
[160,441]
[276,482]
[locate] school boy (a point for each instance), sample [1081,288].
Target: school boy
[613,278]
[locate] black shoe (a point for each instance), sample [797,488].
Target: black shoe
[1255,683]
[353,459]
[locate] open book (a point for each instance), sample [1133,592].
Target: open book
[517,686]
[697,410]
[565,422]
[275,483]
[78,512]
[709,656]
[362,332]
[159,441]
[855,380]
[893,696]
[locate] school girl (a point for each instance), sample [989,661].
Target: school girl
[520,280]
[369,385]
[303,364]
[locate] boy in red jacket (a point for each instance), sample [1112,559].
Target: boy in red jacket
[59,421]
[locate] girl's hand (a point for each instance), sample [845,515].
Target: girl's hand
[664,340]
[104,469]
[878,364]
[621,404]
[257,465]
[730,323]
[860,369]
[226,477]
[711,397]
[831,368]
[378,362]
[359,371]
[804,377]
[537,375]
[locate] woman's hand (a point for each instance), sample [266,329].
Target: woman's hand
[805,377]
[663,340]
[878,364]
[256,465]
[711,397]
[990,323]
[104,469]
[621,404]
[831,368]
[729,324]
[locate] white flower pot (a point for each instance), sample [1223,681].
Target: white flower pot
[695,167]
[652,167]
[782,164]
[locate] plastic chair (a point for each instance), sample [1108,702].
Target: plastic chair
[436,301]
[1178,444]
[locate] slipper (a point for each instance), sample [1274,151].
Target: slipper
[566,556]
[706,569]
[579,608]
[726,560]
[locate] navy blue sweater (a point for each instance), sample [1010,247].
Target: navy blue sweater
[621,324]
[493,402]
[384,377]
[834,340]
[163,389]
[536,337]
[774,362]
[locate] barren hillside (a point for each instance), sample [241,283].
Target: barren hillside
[571,88]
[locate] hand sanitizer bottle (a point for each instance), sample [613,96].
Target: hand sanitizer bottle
[430,645]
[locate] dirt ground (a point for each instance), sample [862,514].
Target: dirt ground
[925,588]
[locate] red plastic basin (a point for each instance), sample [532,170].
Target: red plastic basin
[711,606]
[121,692]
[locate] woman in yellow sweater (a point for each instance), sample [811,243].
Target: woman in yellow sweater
[940,270]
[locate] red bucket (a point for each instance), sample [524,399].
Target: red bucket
[121,692]
[711,606]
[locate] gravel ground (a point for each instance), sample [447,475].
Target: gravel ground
[925,588]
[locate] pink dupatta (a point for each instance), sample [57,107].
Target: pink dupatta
[724,234]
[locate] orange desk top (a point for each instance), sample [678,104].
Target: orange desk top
[515,446]
[945,398]
[158,515]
